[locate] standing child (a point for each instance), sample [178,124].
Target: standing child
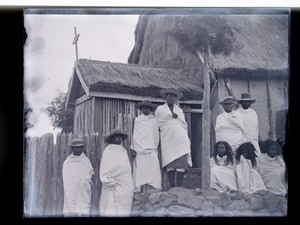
[116,177]
[145,140]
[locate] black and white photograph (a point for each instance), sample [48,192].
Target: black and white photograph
[156,112]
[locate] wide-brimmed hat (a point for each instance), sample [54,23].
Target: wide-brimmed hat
[174,91]
[114,132]
[227,100]
[76,142]
[146,103]
[246,97]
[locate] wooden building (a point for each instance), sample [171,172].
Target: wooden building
[258,63]
[105,95]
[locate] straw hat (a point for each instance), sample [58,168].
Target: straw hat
[114,132]
[246,97]
[174,91]
[227,100]
[76,142]
[146,103]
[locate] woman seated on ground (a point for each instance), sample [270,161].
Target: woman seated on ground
[248,178]
[272,168]
[222,176]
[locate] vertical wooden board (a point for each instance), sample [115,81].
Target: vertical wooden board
[49,176]
[29,179]
[258,90]
[196,139]
[279,103]
[56,171]
[60,190]
[42,178]
[94,199]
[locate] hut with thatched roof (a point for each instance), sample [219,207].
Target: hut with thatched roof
[105,95]
[258,63]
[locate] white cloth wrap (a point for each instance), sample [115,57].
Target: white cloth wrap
[145,140]
[77,173]
[174,134]
[272,171]
[249,180]
[117,183]
[222,177]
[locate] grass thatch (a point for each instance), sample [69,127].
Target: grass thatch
[136,80]
[261,43]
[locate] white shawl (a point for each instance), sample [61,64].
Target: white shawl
[250,122]
[174,134]
[117,183]
[145,140]
[230,128]
[249,180]
[222,177]
[272,171]
[77,173]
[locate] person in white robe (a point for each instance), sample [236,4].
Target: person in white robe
[77,173]
[145,140]
[116,178]
[272,167]
[222,168]
[229,125]
[248,178]
[175,142]
[250,119]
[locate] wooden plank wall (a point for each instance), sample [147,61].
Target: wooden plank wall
[43,184]
[44,159]
[271,98]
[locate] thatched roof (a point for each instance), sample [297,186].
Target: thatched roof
[261,44]
[109,77]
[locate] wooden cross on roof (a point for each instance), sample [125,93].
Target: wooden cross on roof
[75,40]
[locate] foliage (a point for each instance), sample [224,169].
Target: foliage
[59,116]
[26,111]
[203,33]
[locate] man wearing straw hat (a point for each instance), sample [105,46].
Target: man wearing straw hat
[229,125]
[175,143]
[250,119]
[77,173]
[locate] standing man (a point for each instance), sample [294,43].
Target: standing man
[145,140]
[250,119]
[229,125]
[175,143]
[77,174]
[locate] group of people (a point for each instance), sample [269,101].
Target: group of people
[164,125]
[239,162]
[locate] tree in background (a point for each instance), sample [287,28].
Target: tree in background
[26,111]
[205,35]
[59,116]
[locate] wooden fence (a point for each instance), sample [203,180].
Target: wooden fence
[43,161]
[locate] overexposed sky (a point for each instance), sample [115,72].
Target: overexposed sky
[49,54]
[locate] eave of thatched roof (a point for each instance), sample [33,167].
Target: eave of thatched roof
[99,78]
[261,43]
